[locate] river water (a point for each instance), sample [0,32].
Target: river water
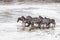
[9,25]
[10,13]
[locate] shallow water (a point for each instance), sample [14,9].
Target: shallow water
[9,15]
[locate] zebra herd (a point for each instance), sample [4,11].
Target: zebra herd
[41,22]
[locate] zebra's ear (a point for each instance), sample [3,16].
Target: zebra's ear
[18,19]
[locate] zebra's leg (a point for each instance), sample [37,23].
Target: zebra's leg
[43,26]
[32,24]
[53,26]
[23,26]
[32,27]
[48,26]
[39,26]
